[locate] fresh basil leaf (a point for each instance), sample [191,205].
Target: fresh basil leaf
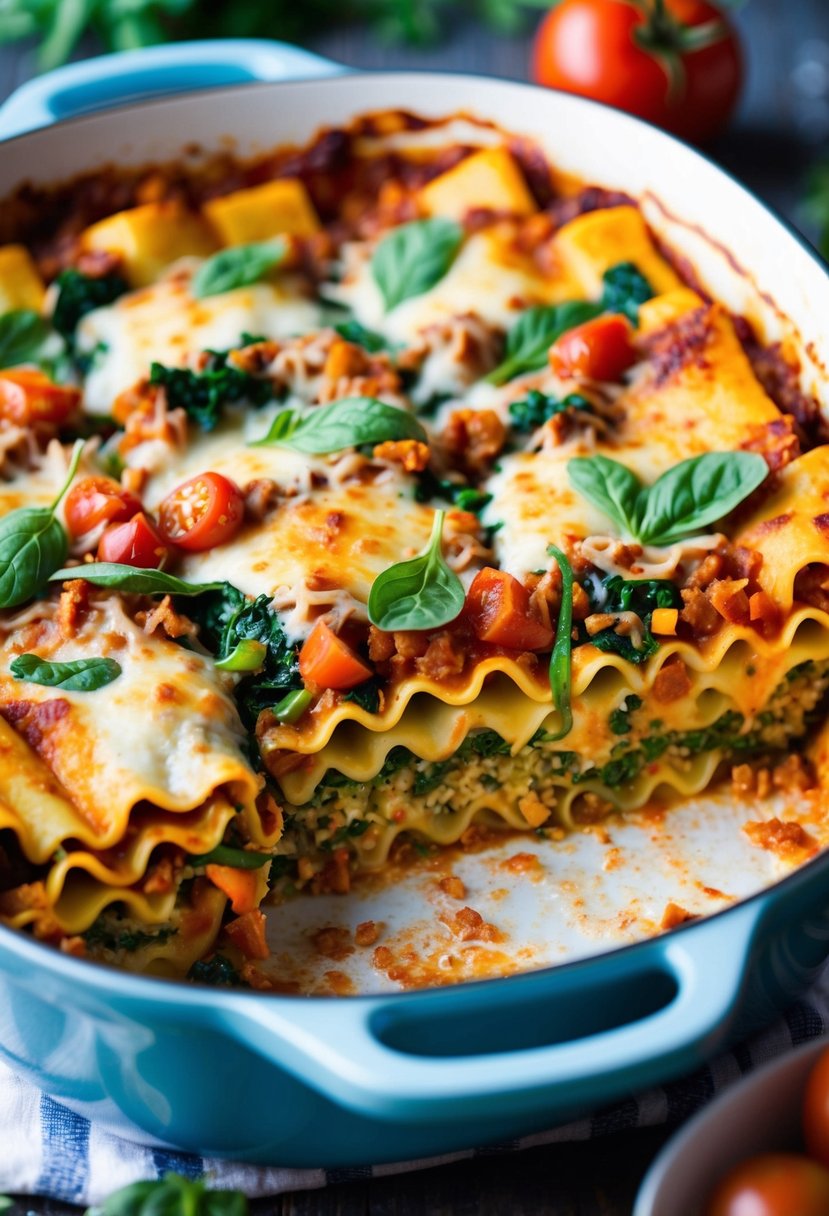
[32,545]
[413,257]
[226,855]
[343,424]
[237,266]
[611,487]
[23,334]
[421,593]
[79,675]
[291,708]
[533,334]
[129,1200]
[697,492]
[561,657]
[369,339]
[624,288]
[133,579]
[247,655]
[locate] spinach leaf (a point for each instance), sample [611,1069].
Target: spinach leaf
[174,1195]
[217,971]
[533,334]
[238,266]
[79,294]
[611,487]
[79,675]
[369,339]
[411,259]
[459,493]
[421,593]
[536,408]
[247,655]
[366,695]
[254,620]
[561,657]
[348,423]
[23,336]
[107,933]
[684,500]
[133,580]
[32,545]
[624,289]
[642,596]
[203,394]
[225,855]
[697,492]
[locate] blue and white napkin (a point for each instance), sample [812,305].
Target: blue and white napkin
[47,1149]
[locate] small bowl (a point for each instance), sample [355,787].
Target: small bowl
[760,1114]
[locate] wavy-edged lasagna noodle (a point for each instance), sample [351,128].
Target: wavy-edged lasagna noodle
[110,798]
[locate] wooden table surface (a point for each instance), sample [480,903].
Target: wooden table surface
[782,124]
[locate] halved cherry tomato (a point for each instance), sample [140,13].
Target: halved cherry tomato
[97,500]
[202,513]
[598,350]
[135,543]
[641,58]
[498,609]
[240,886]
[28,396]
[330,662]
[777,1184]
[816,1111]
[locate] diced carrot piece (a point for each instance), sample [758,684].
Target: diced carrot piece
[329,662]
[240,886]
[498,609]
[664,620]
[248,934]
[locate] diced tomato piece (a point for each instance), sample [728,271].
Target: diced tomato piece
[598,350]
[498,609]
[240,886]
[202,513]
[248,934]
[330,662]
[97,500]
[28,397]
[135,543]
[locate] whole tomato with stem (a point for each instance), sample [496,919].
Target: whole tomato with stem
[676,63]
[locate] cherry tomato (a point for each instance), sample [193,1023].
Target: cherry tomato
[97,500]
[203,512]
[617,52]
[136,543]
[28,396]
[777,1184]
[598,350]
[816,1111]
[328,661]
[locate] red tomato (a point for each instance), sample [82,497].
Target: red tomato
[135,543]
[777,1184]
[328,661]
[27,397]
[202,513]
[97,500]
[498,609]
[597,48]
[598,350]
[816,1111]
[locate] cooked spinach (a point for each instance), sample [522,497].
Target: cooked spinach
[616,594]
[624,289]
[461,495]
[106,934]
[217,971]
[80,293]
[532,411]
[366,695]
[203,394]
[369,339]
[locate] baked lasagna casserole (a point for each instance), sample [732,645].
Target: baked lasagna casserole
[390,488]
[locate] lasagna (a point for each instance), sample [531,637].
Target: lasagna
[394,488]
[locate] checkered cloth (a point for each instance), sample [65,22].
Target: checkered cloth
[47,1149]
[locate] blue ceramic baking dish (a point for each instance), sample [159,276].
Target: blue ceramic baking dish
[348,1080]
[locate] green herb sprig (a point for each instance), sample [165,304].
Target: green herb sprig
[421,593]
[33,544]
[247,655]
[351,422]
[561,657]
[411,259]
[226,855]
[238,266]
[684,500]
[78,675]
[532,335]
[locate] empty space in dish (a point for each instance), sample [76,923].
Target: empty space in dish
[534,902]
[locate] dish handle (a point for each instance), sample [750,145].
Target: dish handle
[111,80]
[531,1044]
